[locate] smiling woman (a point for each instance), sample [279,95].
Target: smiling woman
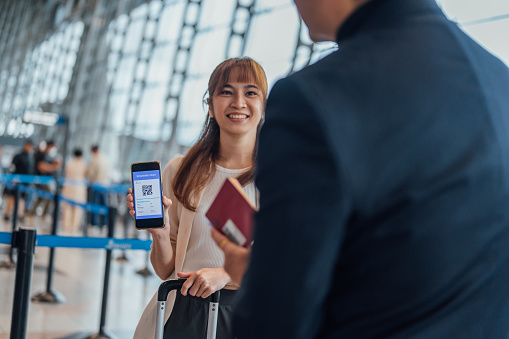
[227,148]
[216,138]
[237,108]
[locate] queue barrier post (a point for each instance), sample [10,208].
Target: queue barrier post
[24,241]
[9,264]
[102,334]
[145,271]
[50,295]
[123,257]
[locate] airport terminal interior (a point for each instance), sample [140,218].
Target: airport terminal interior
[130,77]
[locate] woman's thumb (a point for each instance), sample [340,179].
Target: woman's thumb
[166,202]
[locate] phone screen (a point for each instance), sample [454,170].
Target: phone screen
[147,196]
[147,192]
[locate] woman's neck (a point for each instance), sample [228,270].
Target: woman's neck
[236,152]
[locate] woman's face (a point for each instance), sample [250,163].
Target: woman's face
[237,107]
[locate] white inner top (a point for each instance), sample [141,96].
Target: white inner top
[202,251]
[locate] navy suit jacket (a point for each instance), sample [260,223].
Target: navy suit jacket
[384,185]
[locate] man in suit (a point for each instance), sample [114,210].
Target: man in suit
[384,184]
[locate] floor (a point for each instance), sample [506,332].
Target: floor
[78,276]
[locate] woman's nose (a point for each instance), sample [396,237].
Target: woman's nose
[238,101]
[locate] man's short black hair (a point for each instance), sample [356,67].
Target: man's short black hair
[50,143]
[94,148]
[77,152]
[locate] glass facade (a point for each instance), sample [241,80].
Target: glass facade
[130,75]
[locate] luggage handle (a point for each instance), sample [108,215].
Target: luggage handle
[173,284]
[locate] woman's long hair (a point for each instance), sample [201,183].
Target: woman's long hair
[198,166]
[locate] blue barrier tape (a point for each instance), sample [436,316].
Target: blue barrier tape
[5,238]
[31,190]
[27,179]
[92,208]
[89,207]
[44,180]
[119,188]
[54,241]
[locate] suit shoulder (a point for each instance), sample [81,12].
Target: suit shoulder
[318,73]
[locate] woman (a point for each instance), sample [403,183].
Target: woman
[227,148]
[74,189]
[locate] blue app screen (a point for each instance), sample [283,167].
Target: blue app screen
[147,194]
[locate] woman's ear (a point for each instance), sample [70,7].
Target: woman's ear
[211,110]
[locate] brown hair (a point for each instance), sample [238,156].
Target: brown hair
[197,167]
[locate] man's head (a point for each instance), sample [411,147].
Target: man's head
[94,149]
[50,144]
[28,146]
[324,17]
[78,153]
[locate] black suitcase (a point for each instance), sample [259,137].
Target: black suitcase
[175,284]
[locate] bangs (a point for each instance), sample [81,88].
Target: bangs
[243,70]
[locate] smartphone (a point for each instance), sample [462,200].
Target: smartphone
[147,194]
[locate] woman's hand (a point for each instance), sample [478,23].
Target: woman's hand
[204,282]
[156,232]
[236,258]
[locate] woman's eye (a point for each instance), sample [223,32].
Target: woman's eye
[226,92]
[250,93]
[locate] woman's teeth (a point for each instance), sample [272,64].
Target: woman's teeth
[237,116]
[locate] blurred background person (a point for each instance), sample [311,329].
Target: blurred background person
[98,173]
[22,163]
[47,163]
[75,189]
[1,183]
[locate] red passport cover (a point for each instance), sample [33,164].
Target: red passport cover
[232,213]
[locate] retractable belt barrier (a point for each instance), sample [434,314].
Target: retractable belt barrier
[11,180]
[54,241]
[27,239]
[27,179]
[44,180]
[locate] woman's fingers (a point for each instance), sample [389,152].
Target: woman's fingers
[217,236]
[196,287]
[130,202]
[166,202]
[204,291]
[201,283]
[184,275]
[187,284]
[236,258]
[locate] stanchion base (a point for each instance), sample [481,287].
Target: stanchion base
[104,335]
[52,297]
[144,272]
[122,258]
[87,335]
[8,265]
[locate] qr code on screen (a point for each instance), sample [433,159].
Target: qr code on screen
[146,189]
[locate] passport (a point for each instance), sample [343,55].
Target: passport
[232,213]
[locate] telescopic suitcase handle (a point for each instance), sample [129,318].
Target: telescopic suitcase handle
[174,284]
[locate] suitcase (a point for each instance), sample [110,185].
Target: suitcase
[174,284]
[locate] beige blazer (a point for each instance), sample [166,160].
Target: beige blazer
[181,222]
